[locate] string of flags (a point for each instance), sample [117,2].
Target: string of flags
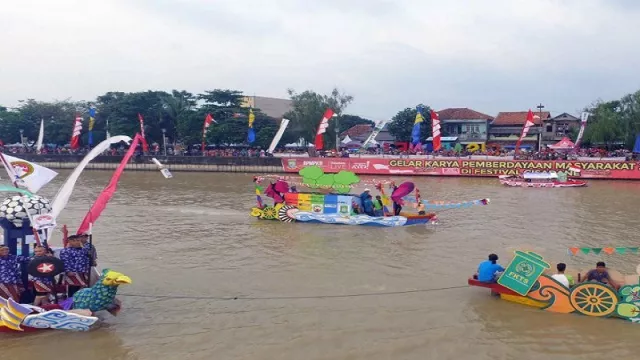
[600,250]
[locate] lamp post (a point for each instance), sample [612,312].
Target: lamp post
[164,141]
[21,137]
[540,107]
[337,134]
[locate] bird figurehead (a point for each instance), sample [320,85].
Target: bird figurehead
[114,278]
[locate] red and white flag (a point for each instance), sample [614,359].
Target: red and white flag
[77,129]
[145,146]
[435,130]
[525,129]
[322,128]
[207,122]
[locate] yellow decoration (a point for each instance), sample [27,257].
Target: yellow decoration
[256,212]
[522,300]
[594,299]
[113,278]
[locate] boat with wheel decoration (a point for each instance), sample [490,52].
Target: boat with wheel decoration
[549,179]
[524,282]
[331,202]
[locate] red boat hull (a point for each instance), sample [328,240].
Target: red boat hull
[519,182]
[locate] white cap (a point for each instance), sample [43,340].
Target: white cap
[367,189]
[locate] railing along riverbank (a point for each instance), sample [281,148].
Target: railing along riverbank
[174,163]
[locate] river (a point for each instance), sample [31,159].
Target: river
[192,236]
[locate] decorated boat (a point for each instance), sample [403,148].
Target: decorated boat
[548,179]
[525,282]
[331,202]
[27,221]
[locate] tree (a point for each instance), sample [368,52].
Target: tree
[58,116]
[606,126]
[401,125]
[122,109]
[308,109]
[10,125]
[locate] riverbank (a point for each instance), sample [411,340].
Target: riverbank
[174,163]
[399,166]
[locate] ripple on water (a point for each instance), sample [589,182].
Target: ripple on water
[192,235]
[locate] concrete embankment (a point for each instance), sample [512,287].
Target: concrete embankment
[174,163]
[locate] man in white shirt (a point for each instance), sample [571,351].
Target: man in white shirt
[560,276]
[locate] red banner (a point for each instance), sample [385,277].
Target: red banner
[595,169]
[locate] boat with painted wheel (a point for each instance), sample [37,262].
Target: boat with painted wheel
[330,202]
[524,282]
[548,179]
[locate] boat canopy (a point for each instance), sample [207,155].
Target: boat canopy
[540,175]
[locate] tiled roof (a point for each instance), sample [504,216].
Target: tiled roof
[462,114]
[357,130]
[518,118]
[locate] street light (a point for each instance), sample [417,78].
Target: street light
[21,138]
[540,107]
[164,141]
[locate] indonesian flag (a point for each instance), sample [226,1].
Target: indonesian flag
[145,146]
[207,122]
[77,129]
[322,128]
[525,129]
[435,130]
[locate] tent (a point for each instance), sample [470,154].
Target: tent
[353,144]
[564,144]
[636,147]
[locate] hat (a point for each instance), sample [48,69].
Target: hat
[367,189]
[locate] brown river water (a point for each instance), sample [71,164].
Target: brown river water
[189,244]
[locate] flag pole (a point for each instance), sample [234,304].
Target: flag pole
[14,181]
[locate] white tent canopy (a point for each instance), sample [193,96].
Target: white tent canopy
[346,140]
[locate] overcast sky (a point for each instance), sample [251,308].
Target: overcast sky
[489,55]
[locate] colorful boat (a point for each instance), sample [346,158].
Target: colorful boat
[337,207]
[549,179]
[524,282]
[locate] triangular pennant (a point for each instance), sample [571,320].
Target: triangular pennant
[609,250]
[585,250]
[634,250]
[574,250]
[621,250]
[596,251]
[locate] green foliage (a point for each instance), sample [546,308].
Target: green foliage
[401,125]
[308,109]
[58,119]
[614,122]
[314,177]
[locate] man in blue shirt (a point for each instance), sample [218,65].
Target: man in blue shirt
[488,271]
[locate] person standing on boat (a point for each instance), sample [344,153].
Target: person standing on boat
[489,270]
[41,286]
[84,239]
[378,206]
[396,206]
[76,265]
[10,281]
[367,203]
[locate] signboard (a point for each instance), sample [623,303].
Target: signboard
[523,272]
[43,221]
[628,170]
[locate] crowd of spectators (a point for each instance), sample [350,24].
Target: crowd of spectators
[213,151]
